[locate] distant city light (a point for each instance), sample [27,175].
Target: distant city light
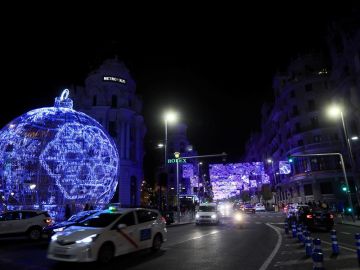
[334,111]
[354,138]
[160,145]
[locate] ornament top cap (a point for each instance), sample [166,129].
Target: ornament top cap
[64,101]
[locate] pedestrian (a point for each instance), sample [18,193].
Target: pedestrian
[357,211]
[67,212]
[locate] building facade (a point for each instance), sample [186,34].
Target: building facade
[109,96]
[297,123]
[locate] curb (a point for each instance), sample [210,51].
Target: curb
[179,224]
[349,224]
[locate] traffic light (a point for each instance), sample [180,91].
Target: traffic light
[344,188]
[291,159]
[349,209]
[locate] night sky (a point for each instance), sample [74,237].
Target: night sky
[215,68]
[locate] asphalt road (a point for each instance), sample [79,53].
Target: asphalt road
[188,247]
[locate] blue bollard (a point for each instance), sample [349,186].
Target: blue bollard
[293,230]
[286,227]
[308,245]
[357,237]
[299,233]
[304,232]
[317,246]
[334,243]
[318,261]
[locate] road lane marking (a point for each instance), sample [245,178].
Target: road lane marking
[309,260]
[345,233]
[341,246]
[196,237]
[275,250]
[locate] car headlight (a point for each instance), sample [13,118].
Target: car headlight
[238,217]
[88,239]
[197,216]
[59,229]
[213,216]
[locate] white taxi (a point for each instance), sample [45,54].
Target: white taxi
[109,233]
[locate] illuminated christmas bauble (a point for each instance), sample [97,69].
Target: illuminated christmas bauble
[54,156]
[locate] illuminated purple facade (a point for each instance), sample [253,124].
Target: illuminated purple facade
[227,180]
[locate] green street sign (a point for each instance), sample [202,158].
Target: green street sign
[176,160]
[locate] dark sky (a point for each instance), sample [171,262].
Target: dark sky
[215,67]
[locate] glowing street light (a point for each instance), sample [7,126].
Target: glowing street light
[335,111]
[169,117]
[354,138]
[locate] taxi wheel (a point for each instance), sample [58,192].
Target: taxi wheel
[106,253]
[34,233]
[156,243]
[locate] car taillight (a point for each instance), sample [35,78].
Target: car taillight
[163,219]
[331,216]
[309,216]
[48,221]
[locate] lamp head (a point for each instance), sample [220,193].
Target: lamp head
[334,111]
[170,116]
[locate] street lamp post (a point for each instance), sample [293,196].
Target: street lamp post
[169,117]
[273,171]
[198,185]
[344,172]
[335,111]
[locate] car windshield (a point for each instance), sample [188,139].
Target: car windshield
[207,209]
[101,220]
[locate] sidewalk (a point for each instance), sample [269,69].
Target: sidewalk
[347,220]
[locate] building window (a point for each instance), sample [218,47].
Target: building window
[326,188]
[112,128]
[311,105]
[114,101]
[300,143]
[308,87]
[94,100]
[317,138]
[314,122]
[308,189]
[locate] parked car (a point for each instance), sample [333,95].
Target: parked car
[259,207]
[49,231]
[24,222]
[107,234]
[248,208]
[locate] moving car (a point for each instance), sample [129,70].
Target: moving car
[60,226]
[239,219]
[109,233]
[24,222]
[316,218]
[207,213]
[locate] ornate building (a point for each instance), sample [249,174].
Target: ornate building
[297,122]
[109,96]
